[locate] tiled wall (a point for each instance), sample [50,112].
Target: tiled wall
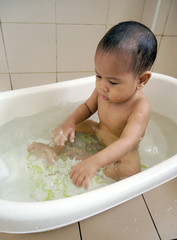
[46,41]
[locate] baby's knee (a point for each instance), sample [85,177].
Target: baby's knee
[119,170]
[87,126]
[129,170]
[104,137]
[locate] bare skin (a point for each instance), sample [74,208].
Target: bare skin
[50,153]
[41,150]
[123,112]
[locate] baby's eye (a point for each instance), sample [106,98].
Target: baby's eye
[113,83]
[98,76]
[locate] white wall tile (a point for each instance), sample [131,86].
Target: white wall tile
[31,80]
[76,47]
[125,10]
[167,57]
[171,25]
[79,11]
[30,47]
[73,76]
[27,11]
[3,62]
[4,82]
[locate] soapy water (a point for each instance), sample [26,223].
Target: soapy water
[32,180]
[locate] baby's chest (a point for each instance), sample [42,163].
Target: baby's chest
[113,117]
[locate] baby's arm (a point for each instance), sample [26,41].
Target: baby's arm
[67,129]
[128,141]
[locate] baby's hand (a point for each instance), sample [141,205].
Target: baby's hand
[83,172]
[64,132]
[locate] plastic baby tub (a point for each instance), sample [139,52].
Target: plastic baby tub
[27,217]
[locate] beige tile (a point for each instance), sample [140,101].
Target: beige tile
[162,16]
[32,79]
[4,82]
[125,10]
[76,47]
[162,203]
[30,47]
[128,221]
[72,76]
[159,38]
[149,11]
[171,25]
[167,57]
[81,12]
[27,11]
[67,233]
[158,46]
[3,62]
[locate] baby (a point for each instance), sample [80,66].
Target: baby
[123,60]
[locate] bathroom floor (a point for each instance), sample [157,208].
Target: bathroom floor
[151,216]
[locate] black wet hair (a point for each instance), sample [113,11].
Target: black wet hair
[133,39]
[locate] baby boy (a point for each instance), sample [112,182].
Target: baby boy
[123,60]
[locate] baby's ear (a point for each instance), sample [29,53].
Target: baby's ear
[143,79]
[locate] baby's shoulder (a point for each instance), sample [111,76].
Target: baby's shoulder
[142,103]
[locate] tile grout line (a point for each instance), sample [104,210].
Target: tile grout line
[80,232]
[151,217]
[56,41]
[1,30]
[108,6]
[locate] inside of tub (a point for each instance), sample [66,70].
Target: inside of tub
[30,179]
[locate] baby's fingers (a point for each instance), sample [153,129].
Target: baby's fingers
[79,179]
[87,182]
[72,135]
[58,137]
[76,178]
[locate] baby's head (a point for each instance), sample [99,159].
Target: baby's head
[134,42]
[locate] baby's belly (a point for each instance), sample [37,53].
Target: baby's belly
[116,132]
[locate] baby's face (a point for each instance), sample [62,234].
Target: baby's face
[113,80]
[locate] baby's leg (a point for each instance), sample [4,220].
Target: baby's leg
[104,137]
[78,154]
[88,126]
[40,150]
[126,167]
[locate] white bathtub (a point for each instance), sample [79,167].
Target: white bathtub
[26,217]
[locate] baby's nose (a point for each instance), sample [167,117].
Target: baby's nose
[104,87]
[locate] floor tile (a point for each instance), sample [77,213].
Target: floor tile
[162,203]
[67,233]
[127,221]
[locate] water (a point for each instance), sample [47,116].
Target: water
[32,180]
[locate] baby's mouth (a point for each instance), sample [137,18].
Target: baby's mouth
[105,98]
